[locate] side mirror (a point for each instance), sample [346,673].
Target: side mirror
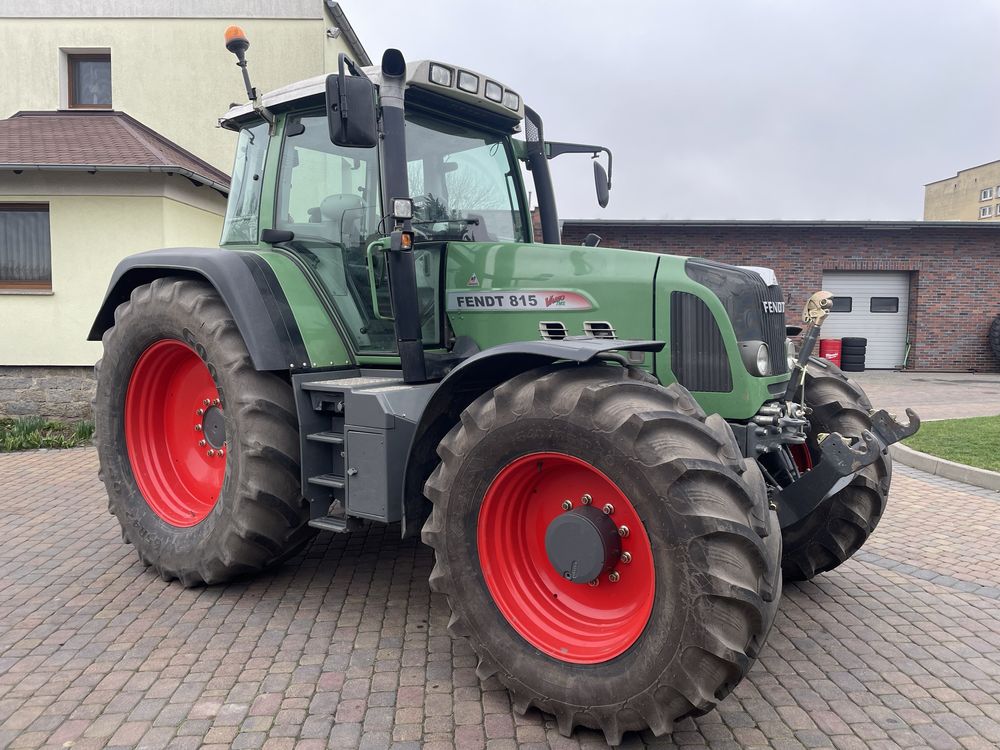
[601,182]
[350,108]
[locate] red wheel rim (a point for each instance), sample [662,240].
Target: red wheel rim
[178,464]
[572,622]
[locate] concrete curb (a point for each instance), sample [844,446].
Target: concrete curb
[984,478]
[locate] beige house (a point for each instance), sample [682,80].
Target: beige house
[971,195]
[111,146]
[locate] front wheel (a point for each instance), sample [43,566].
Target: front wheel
[199,452]
[608,552]
[842,523]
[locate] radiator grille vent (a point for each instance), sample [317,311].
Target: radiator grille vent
[599,329]
[552,330]
[697,351]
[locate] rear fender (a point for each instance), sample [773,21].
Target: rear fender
[469,380]
[245,282]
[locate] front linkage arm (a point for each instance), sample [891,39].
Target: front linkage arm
[839,462]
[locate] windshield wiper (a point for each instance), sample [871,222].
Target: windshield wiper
[474,222]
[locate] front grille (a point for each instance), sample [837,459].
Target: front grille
[697,352]
[773,327]
[743,294]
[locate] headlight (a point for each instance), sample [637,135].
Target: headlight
[763,360]
[792,355]
[494,91]
[756,357]
[440,75]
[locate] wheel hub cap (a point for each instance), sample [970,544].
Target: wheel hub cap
[582,544]
[214,426]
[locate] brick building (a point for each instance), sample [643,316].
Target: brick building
[937,279]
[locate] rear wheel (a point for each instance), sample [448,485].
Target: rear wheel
[198,451]
[842,523]
[604,546]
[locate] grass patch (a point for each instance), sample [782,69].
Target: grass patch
[29,433]
[975,441]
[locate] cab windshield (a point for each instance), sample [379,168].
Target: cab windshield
[462,181]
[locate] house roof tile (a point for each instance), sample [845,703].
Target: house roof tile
[102,140]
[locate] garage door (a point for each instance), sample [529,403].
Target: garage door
[870,304]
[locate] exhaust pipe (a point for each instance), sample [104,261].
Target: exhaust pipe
[402,272]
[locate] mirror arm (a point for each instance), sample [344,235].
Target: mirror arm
[554,149]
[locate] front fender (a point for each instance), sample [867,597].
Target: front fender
[469,380]
[245,282]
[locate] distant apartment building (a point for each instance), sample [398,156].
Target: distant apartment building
[971,195]
[111,146]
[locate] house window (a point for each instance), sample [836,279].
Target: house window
[89,79]
[25,255]
[986,194]
[884,305]
[985,212]
[842,304]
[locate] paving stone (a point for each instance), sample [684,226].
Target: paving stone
[345,647]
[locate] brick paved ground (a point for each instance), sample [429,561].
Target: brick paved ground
[933,395]
[346,646]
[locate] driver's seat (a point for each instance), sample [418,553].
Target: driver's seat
[341,215]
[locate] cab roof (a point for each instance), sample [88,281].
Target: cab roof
[418,74]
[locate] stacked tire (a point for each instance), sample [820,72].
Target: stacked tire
[994,337]
[852,354]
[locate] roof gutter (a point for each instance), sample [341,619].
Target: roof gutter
[348,31]
[138,168]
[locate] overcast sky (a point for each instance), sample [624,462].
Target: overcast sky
[785,109]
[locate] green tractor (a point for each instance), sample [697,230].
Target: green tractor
[614,455]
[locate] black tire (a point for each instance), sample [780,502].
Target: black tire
[714,540]
[851,367]
[994,337]
[260,516]
[852,359]
[854,341]
[842,524]
[848,351]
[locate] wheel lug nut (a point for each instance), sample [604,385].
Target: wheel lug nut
[587,500]
[197,428]
[623,531]
[626,557]
[215,402]
[566,575]
[567,505]
[206,402]
[200,412]
[613,576]
[201,443]
[211,452]
[595,582]
[608,509]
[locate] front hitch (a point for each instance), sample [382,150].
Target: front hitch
[839,462]
[890,430]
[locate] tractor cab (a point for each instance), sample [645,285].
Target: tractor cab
[435,158]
